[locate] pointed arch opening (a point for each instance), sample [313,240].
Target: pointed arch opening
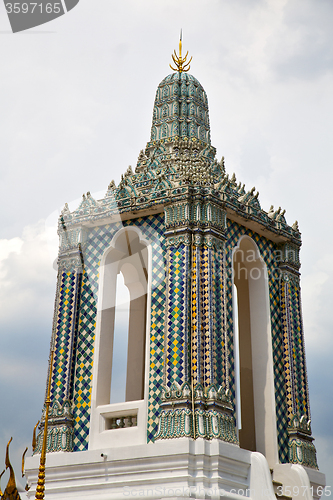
[253,342]
[120,342]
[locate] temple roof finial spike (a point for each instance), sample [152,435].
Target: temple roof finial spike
[180,42]
[180,62]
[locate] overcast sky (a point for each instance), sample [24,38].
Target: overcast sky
[76,100]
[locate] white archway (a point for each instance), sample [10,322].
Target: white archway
[129,254]
[257,394]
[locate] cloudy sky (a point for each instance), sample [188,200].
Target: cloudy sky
[76,99]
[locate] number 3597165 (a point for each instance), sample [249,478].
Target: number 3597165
[31,7]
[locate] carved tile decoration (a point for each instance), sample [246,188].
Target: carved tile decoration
[178,171]
[217,349]
[180,109]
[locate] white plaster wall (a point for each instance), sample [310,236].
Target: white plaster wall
[170,468]
[174,468]
[262,354]
[263,374]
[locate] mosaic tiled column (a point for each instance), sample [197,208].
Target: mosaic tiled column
[208,315]
[60,430]
[176,328]
[218,313]
[195,402]
[301,448]
[196,316]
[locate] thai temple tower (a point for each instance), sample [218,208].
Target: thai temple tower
[216,398]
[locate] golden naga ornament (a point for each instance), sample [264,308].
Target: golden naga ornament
[10,492]
[23,460]
[180,62]
[34,440]
[2,473]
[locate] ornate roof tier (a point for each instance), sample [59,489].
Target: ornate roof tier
[180,109]
[177,164]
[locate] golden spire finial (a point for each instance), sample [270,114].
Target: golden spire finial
[180,62]
[41,474]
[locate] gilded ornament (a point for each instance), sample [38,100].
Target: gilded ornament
[34,442]
[2,473]
[180,62]
[41,474]
[10,492]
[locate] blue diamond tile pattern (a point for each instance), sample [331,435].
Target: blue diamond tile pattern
[219,344]
[196,316]
[98,241]
[206,316]
[294,356]
[65,338]
[177,315]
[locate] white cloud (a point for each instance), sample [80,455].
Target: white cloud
[9,246]
[27,288]
[77,108]
[27,277]
[304,50]
[325,459]
[312,287]
[317,297]
[15,372]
